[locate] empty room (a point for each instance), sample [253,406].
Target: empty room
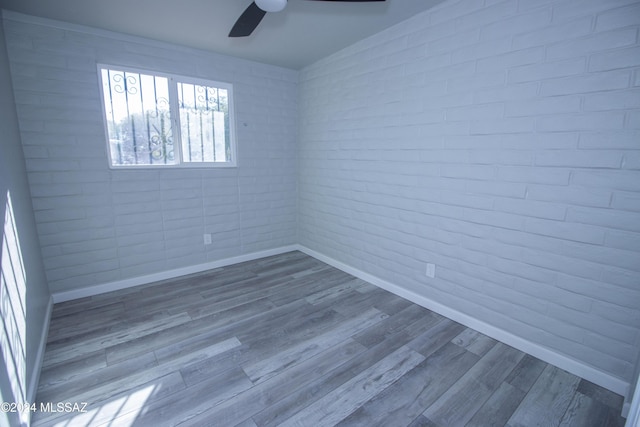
[318,213]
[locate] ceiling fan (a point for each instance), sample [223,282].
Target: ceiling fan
[252,15]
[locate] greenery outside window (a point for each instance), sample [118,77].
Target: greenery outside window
[160,120]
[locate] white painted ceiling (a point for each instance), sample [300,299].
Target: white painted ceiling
[303,33]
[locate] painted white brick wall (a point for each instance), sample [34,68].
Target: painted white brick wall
[98,225]
[21,265]
[499,140]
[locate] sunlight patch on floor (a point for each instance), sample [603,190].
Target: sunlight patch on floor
[122,411]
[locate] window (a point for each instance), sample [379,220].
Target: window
[159,120]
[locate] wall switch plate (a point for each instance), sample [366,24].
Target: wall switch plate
[431,270]
[207,239]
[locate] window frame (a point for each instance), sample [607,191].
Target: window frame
[174,111]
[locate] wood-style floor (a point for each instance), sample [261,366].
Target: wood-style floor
[290,341]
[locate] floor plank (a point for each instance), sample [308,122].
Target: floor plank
[408,397]
[289,340]
[497,410]
[267,367]
[291,404]
[548,399]
[474,341]
[265,394]
[460,402]
[585,412]
[341,402]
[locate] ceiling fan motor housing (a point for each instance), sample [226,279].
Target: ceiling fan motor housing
[253,14]
[271,5]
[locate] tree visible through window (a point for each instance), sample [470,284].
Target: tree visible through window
[145,113]
[204,112]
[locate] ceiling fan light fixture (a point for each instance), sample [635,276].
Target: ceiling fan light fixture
[271,5]
[253,14]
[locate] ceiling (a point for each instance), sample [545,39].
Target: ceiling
[303,33]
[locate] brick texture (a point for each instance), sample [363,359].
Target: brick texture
[504,147]
[98,225]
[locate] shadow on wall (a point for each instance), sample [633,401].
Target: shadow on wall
[14,321]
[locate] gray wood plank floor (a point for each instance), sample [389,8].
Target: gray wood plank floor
[290,341]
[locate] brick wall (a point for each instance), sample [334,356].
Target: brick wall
[499,140]
[98,225]
[22,272]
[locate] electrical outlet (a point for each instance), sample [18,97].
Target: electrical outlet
[431,270]
[207,239]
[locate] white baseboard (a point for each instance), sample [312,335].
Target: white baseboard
[163,275]
[554,358]
[626,408]
[35,375]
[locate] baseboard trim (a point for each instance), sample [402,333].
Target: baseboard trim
[561,361]
[164,275]
[626,409]
[35,374]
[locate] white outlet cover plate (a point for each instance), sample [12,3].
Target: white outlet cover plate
[431,270]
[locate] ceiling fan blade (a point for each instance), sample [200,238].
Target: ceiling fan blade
[248,21]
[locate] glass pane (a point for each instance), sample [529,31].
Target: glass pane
[204,123]
[138,119]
